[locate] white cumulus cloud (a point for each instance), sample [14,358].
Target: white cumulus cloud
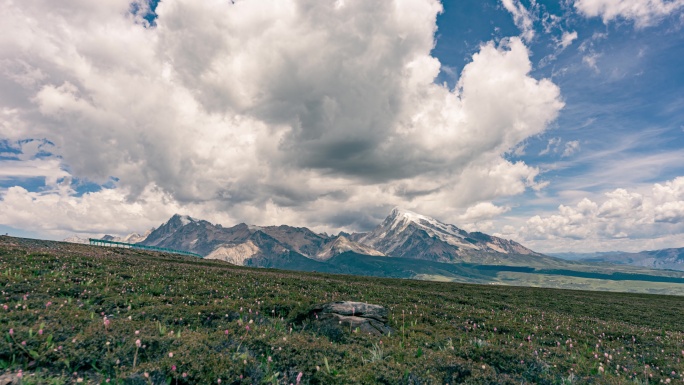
[287,111]
[653,218]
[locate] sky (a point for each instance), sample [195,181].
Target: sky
[559,124]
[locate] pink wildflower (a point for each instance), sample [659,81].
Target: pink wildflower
[138,343]
[299,377]
[20,374]
[173,368]
[11,332]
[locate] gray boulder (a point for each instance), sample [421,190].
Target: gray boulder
[347,315]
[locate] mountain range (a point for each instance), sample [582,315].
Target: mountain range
[672,259]
[403,234]
[411,245]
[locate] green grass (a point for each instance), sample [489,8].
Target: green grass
[57,295]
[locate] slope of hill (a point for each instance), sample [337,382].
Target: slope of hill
[82,314]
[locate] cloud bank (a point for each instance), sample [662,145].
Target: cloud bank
[261,111]
[623,219]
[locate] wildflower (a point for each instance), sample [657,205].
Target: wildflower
[170,354]
[20,374]
[184,375]
[218,381]
[247,327]
[11,332]
[299,377]
[5,307]
[40,332]
[23,343]
[173,368]
[270,359]
[226,332]
[138,343]
[137,332]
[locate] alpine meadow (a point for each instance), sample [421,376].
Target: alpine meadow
[301,192]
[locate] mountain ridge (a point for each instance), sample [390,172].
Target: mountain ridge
[403,234]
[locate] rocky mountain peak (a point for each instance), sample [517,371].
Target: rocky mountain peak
[407,234]
[178,220]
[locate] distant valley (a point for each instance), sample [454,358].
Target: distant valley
[672,259]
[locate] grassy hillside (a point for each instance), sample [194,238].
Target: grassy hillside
[198,321]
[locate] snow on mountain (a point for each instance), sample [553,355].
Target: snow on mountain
[185,220]
[395,230]
[130,238]
[76,239]
[411,235]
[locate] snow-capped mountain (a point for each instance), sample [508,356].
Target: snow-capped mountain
[130,238]
[405,234]
[76,239]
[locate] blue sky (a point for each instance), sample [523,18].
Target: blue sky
[559,124]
